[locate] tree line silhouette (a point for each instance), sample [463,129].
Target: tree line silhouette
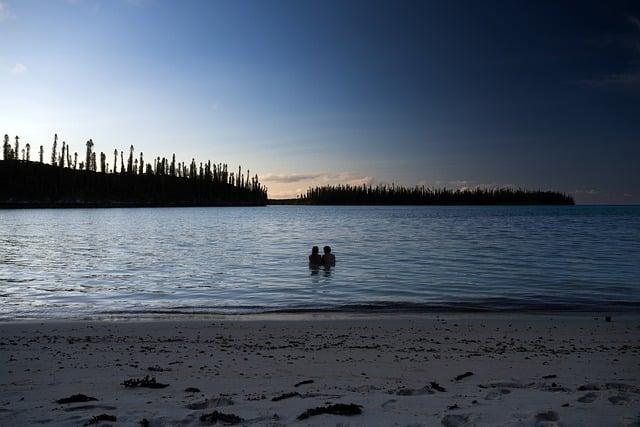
[421,195]
[67,180]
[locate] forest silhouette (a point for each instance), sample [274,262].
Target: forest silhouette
[91,181]
[67,180]
[421,195]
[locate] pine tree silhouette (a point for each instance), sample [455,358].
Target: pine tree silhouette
[53,151]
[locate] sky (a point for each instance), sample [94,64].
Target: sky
[538,94]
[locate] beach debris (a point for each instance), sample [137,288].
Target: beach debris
[216,416]
[76,398]
[254,396]
[145,382]
[621,387]
[506,384]
[145,423]
[192,390]
[157,368]
[437,387]
[463,376]
[549,377]
[346,409]
[553,387]
[285,396]
[607,319]
[454,420]
[303,383]
[99,418]
[452,407]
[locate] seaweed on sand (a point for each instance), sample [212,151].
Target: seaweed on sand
[99,418]
[336,409]
[76,398]
[145,382]
[216,416]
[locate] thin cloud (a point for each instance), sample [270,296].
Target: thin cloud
[629,78]
[320,178]
[288,178]
[589,191]
[5,13]
[18,69]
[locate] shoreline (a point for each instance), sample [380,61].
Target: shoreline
[525,369]
[307,315]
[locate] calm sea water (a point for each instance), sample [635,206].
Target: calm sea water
[68,263]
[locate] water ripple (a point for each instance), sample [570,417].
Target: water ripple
[61,263]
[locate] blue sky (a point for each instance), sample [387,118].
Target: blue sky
[457,94]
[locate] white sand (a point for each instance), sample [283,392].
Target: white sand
[384,364]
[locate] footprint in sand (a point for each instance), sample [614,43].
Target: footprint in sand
[619,400]
[389,404]
[454,420]
[210,403]
[497,395]
[631,422]
[547,419]
[588,398]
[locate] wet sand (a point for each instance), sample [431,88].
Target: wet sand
[449,369]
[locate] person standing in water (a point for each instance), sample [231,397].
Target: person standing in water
[328,259]
[315,259]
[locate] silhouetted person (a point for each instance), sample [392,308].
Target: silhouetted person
[315,259]
[328,259]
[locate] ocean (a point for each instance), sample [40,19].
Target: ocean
[93,263]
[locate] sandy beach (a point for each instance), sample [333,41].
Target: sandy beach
[448,369]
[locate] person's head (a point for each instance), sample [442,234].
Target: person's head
[315,250]
[327,249]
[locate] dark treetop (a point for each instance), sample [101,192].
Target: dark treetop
[398,195]
[67,182]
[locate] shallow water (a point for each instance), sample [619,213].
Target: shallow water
[87,262]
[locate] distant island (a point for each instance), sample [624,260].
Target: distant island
[420,195]
[93,182]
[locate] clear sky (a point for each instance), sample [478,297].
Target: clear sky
[538,94]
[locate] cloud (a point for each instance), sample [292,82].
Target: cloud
[320,178]
[289,178]
[18,69]
[627,79]
[465,184]
[5,13]
[589,191]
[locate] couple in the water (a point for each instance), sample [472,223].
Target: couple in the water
[316,260]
